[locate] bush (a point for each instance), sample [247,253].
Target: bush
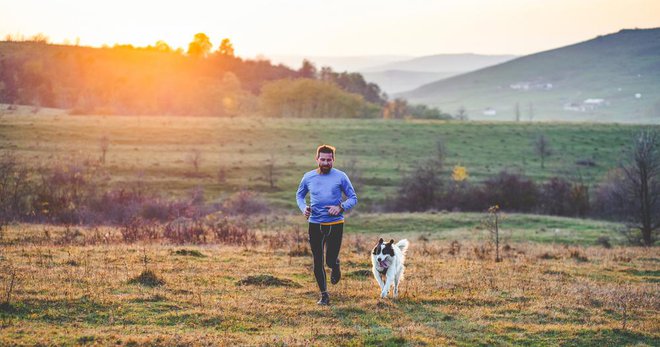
[563,198]
[604,241]
[185,230]
[137,229]
[245,203]
[511,191]
[419,190]
[233,232]
[147,278]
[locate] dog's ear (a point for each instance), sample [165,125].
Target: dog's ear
[380,241]
[391,241]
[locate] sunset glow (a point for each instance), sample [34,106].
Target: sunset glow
[340,28]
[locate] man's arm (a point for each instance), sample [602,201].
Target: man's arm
[300,195]
[351,197]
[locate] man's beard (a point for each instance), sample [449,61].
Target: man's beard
[325,169]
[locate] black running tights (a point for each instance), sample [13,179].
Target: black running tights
[326,237]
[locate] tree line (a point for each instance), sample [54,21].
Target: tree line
[160,80]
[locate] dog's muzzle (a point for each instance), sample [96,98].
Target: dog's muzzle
[383,264]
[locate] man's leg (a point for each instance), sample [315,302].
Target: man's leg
[333,245]
[316,243]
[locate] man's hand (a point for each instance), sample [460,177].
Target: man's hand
[308,211]
[334,210]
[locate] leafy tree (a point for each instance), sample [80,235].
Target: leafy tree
[226,48]
[200,46]
[162,46]
[313,98]
[397,109]
[354,83]
[459,174]
[307,70]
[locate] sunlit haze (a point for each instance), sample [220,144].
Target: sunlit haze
[336,28]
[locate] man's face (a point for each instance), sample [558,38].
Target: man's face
[325,161]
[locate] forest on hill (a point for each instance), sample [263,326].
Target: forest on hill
[202,81]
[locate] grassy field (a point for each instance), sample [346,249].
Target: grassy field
[375,153]
[557,284]
[216,294]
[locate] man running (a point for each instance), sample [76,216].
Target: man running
[325,214]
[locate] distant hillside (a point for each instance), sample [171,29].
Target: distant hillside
[396,81]
[409,74]
[614,77]
[337,63]
[444,63]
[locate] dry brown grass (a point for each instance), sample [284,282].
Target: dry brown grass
[452,294]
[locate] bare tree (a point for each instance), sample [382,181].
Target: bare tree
[640,186]
[461,114]
[440,152]
[492,224]
[517,112]
[104,144]
[542,148]
[195,159]
[270,171]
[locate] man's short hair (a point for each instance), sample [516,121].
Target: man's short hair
[325,149]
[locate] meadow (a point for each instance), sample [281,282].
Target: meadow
[93,289]
[562,281]
[245,153]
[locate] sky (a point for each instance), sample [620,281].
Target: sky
[332,27]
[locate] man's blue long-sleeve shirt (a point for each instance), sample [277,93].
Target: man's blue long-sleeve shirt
[325,190]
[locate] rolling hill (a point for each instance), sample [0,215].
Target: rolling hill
[403,75]
[396,81]
[611,78]
[444,63]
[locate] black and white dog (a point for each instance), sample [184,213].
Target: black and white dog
[387,260]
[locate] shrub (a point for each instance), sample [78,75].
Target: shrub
[267,281]
[511,191]
[233,232]
[185,230]
[604,241]
[245,203]
[138,229]
[419,190]
[147,278]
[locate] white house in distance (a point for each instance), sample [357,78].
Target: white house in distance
[586,105]
[531,86]
[489,111]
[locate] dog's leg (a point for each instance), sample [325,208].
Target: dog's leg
[386,288]
[378,279]
[396,284]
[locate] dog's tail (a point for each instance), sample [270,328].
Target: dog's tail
[403,245]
